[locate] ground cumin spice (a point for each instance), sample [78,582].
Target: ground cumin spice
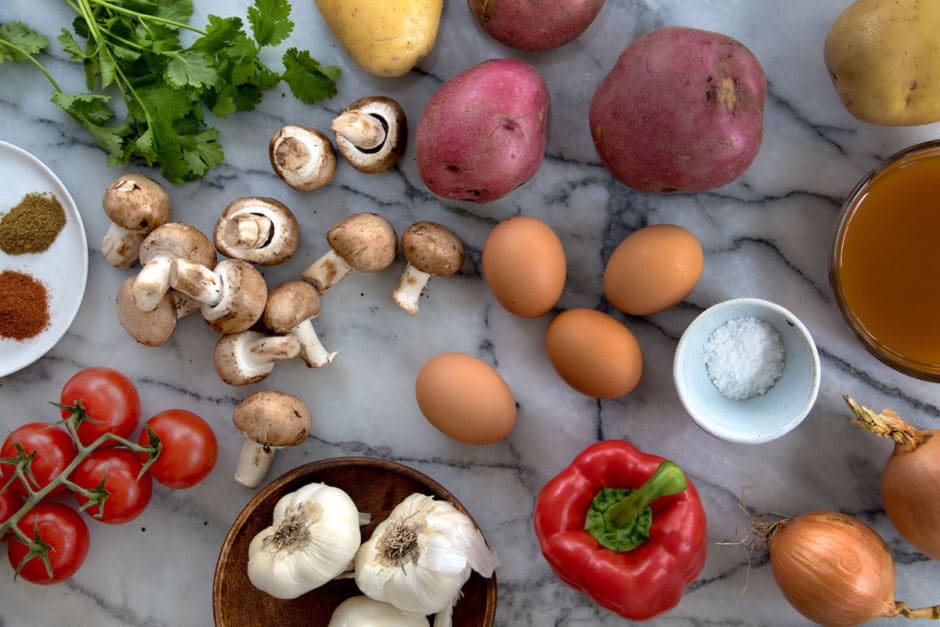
[24,305]
[32,225]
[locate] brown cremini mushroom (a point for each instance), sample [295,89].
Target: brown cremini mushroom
[371,133]
[232,296]
[303,157]
[269,420]
[363,242]
[291,308]
[249,356]
[136,205]
[431,249]
[166,243]
[257,230]
[150,328]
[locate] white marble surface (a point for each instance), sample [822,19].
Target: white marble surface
[766,235]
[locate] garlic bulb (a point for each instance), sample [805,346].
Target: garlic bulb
[313,538]
[362,611]
[420,556]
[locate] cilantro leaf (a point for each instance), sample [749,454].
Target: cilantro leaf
[220,34]
[71,46]
[270,21]
[308,80]
[18,42]
[92,111]
[190,68]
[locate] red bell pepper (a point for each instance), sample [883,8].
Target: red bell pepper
[624,527]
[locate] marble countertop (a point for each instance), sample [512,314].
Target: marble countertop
[766,235]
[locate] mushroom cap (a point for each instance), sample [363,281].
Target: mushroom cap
[366,241]
[432,248]
[150,328]
[303,157]
[178,240]
[137,203]
[273,418]
[392,118]
[289,304]
[282,243]
[244,294]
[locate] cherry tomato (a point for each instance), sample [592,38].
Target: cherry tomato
[110,401]
[63,529]
[10,503]
[54,451]
[189,448]
[128,496]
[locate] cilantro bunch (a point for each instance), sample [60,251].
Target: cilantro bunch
[132,48]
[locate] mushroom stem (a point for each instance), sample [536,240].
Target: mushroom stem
[261,352]
[184,304]
[121,246]
[152,283]
[312,350]
[327,271]
[247,230]
[254,461]
[409,288]
[196,281]
[361,129]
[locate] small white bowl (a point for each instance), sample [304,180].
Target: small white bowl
[762,418]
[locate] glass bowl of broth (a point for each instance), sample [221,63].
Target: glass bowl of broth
[885,263]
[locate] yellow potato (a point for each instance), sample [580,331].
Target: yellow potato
[884,60]
[386,37]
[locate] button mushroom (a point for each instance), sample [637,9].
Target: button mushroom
[371,133]
[363,242]
[257,230]
[303,157]
[173,240]
[232,296]
[291,307]
[269,420]
[136,205]
[431,249]
[150,328]
[249,356]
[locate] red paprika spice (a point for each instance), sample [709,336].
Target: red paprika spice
[624,527]
[24,308]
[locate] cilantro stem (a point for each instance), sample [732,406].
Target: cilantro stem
[34,61]
[144,17]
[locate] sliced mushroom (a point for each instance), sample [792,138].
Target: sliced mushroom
[431,249]
[232,296]
[150,328]
[249,356]
[269,420]
[363,242]
[173,240]
[371,133]
[257,230]
[136,205]
[291,308]
[303,157]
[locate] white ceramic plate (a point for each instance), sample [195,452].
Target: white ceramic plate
[62,268]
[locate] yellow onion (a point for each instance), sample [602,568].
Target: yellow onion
[910,481]
[836,570]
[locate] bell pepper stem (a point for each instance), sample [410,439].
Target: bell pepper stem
[668,479]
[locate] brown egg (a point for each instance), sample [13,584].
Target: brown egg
[465,399]
[653,269]
[594,353]
[524,266]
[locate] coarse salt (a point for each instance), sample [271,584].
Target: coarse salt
[744,357]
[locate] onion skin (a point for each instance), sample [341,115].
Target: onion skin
[910,492]
[833,569]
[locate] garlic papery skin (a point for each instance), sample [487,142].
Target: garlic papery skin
[313,538]
[362,611]
[421,555]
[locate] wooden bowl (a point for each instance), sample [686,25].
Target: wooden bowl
[376,486]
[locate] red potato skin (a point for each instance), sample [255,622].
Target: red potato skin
[535,24]
[483,133]
[681,110]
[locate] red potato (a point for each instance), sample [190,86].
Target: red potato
[535,24]
[681,110]
[483,133]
